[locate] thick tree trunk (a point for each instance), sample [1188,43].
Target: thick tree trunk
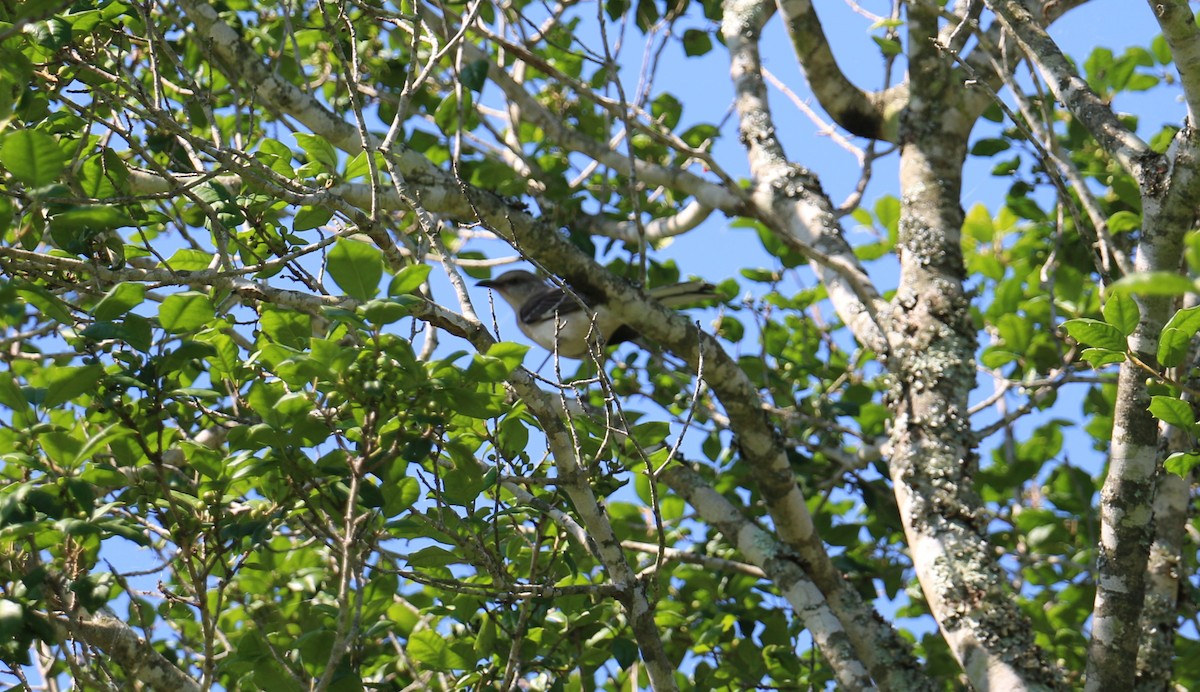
[932,347]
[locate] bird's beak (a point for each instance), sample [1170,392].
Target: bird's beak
[486,283]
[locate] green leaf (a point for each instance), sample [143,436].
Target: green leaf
[183,312]
[887,211]
[1124,222]
[1096,67]
[494,366]
[485,640]
[307,218]
[10,392]
[48,304]
[356,167]
[1016,332]
[889,47]
[32,157]
[1100,357]
[474,75]
[1096,333]
[356,267]
[286,327]
[978,224]
[625,651]
[1173,411]
[318,149]
[12,619]
[66,383]
[119,300]
[409,279]
[100,440]
[277,156]
[1121,312]
[103,176]
[136,332]
[1176,335]
[400,495]
[1172,347]
[1186,320]
[52,34]
[667,110]
[1006,168]
[1025,208]
[189,260]
[431,649]
[93,219]
[434,556]
[511,354]
[445,116]
[696,42]
[1182,463]
[989,146]
[381,312]
[1161,50]
[1142,82]
[646,14]
[1154,284]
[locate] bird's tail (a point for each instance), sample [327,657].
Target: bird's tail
[686,293]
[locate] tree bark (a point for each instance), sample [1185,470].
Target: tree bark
[931,360]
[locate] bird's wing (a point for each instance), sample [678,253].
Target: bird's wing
[546,304]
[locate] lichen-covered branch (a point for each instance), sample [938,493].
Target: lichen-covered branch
[1164,572]
[117,640]
[1127,497]
[933,343]
[789,198]
[1178,25]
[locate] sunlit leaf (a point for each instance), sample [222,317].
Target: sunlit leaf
[32,157]
[356,267]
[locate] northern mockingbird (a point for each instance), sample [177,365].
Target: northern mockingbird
[561,322]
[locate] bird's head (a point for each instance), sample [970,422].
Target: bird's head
[516,285]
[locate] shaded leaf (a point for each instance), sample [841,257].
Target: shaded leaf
[435,651]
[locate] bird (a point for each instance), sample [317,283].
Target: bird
[563,322]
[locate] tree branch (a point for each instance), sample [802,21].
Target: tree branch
[870,115]
[790,198]
[136,657]
[847,644]
[1070,89]
[1126,509]
[1178,25]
